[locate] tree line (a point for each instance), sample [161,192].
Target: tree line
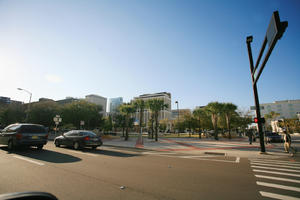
[43,113]
[214,116]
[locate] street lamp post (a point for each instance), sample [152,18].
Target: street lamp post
[28,108]
[177,116]
[275,31]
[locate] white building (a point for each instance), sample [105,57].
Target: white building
[286,109]
[98,100]
[164,114]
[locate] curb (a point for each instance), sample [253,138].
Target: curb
[215,153]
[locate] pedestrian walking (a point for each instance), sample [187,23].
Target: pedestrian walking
[250,136]
[287,143]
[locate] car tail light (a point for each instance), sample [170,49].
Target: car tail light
[19,136]
[46,136]
[86,138]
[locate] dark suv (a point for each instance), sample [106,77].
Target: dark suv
[24,135]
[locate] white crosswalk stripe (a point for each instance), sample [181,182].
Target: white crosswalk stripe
[279,176]
[278,186]
[278,173]
[277,196]
[277,169]
[271,165]
[275,162]
[278,179]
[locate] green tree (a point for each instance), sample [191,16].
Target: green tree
[291,125]
[77,111]
[201,116]
[126,110]
[269,117]
[163,125]
[108,124]
[189,122]
[12,113]
[151,125]
[120,122]
[156,105]
[214,109]
[43,113]
[140,105]
[229,109]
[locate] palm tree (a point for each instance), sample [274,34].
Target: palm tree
[214,109]
[155,106]
[140,105]
[127,110]
[229,111]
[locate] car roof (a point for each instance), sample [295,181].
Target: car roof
[27,124]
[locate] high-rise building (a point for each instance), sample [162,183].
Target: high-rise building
[98,100]
[164,114]
[114,104]
[286,108]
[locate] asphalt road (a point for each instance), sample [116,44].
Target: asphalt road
[100,174]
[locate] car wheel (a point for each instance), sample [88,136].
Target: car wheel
[56,143]
[10,145]
[40,147]
[76,145]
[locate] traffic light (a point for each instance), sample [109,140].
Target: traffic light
[262,120]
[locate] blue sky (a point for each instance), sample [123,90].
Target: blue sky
[195,50]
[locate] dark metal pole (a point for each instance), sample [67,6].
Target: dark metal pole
[257,107]
[178,116]
[260,53]
[265,61]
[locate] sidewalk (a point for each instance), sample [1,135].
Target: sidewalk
[235,147]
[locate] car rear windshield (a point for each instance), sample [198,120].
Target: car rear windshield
[32,129]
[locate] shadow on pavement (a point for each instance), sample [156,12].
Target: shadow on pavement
[113,153]
[44,155]
[104,152]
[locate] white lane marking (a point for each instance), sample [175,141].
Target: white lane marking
[278,173]
[83,153]
[271,165]
[277,196]
[207,156]
[283,187]
[157,153]
[273,168]
[29,160]
[278,179]
[275,161]
[197,157]
[228,161]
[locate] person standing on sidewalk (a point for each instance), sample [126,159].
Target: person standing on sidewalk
[287,143]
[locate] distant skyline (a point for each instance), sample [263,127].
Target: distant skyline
[194,49]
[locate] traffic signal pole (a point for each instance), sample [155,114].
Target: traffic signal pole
[257,108]
[275,31]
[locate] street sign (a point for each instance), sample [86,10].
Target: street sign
[81,123]
[273,28]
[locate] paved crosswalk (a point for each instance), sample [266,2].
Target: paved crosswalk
[277,179]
